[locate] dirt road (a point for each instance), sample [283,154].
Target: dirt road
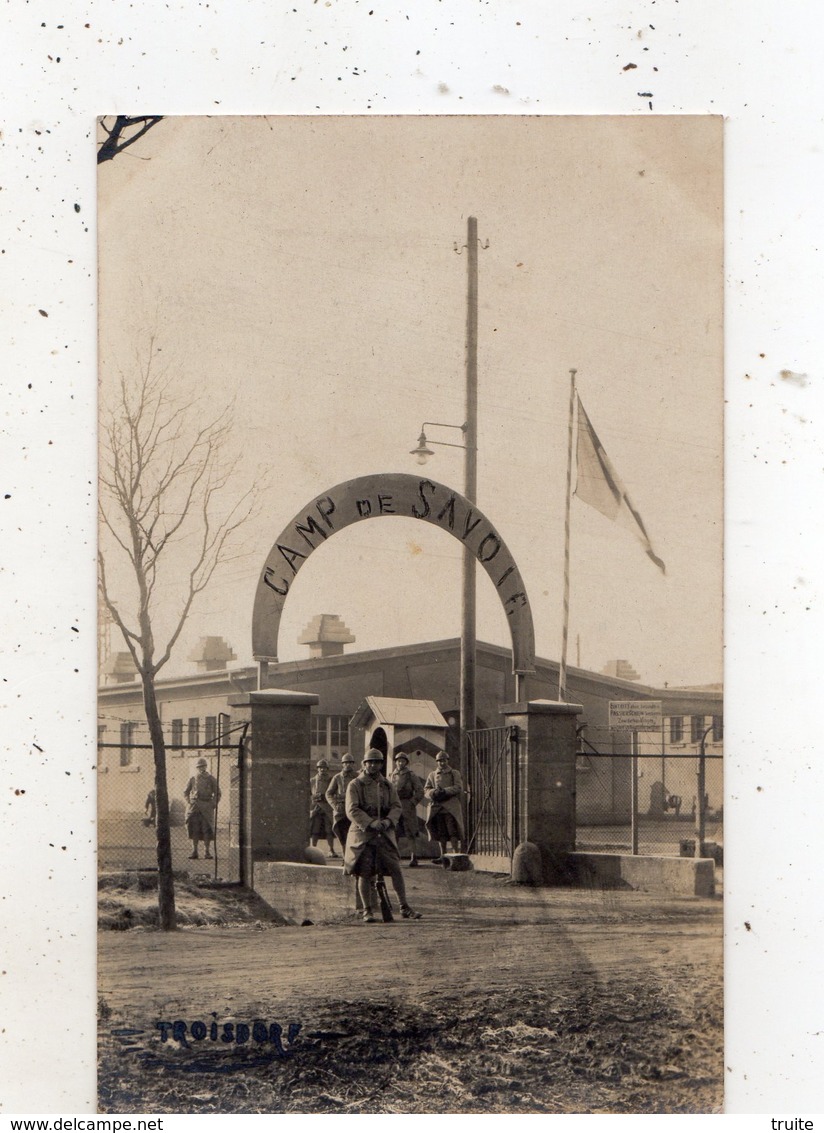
[628,974]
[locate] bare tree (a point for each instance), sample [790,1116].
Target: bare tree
[123,131]
[165,483]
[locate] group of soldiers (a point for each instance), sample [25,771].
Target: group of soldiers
[366,812]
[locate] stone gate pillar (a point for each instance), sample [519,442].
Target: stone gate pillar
[275,774]
[546,779]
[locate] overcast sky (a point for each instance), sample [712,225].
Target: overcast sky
[305,267]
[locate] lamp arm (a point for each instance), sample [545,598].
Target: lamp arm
[445,425]
[446,444]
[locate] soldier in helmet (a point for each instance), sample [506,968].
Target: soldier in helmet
[320,812]
[373,808]
[202,795]
[410,792]
[443,792]
[336,797]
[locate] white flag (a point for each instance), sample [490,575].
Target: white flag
[599,485]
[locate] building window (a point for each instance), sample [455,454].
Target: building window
[211,730]
[676,729]
[696,728]
[128,730]
[318,730]
[177,733]
[329,734]
[717,729]
[339,732]
[194,731]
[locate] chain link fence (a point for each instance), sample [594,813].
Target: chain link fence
[647,802]
[126,808]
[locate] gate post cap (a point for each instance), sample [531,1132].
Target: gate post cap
[541,708]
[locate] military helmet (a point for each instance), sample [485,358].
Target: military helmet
[202,762]
[347,758]
[402,755]
[322,763]
[373,755]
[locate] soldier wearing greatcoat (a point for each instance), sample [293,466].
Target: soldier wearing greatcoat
[373,809]
[410,792]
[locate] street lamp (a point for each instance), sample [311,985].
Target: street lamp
[422,453]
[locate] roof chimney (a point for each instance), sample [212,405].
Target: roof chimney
[621,669]
[211,654]
[120,668]
[326,636]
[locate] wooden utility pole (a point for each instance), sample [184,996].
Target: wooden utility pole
[467,691]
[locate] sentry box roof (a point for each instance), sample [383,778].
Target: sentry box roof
[397,712]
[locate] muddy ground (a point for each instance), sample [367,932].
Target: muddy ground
[500,1000]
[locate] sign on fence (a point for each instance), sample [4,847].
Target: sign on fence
[635,715]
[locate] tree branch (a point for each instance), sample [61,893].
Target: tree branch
[162,484]
[117,139]
[129,636]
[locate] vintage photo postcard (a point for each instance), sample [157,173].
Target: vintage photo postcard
[410,711]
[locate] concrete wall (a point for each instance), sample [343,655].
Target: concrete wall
[676,877]
[324,894]
[306,892]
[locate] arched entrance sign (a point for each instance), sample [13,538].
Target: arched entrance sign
[370,497]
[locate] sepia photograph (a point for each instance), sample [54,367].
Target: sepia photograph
[410,718]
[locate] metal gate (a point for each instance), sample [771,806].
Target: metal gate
[492,783]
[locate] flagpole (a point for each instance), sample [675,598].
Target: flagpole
[562,673]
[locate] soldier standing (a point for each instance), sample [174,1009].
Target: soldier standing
[202,795]
[336,797]
[373,808]
[320,812]
[443,791]
[410,792]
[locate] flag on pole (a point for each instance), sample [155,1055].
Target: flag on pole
[600,486]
